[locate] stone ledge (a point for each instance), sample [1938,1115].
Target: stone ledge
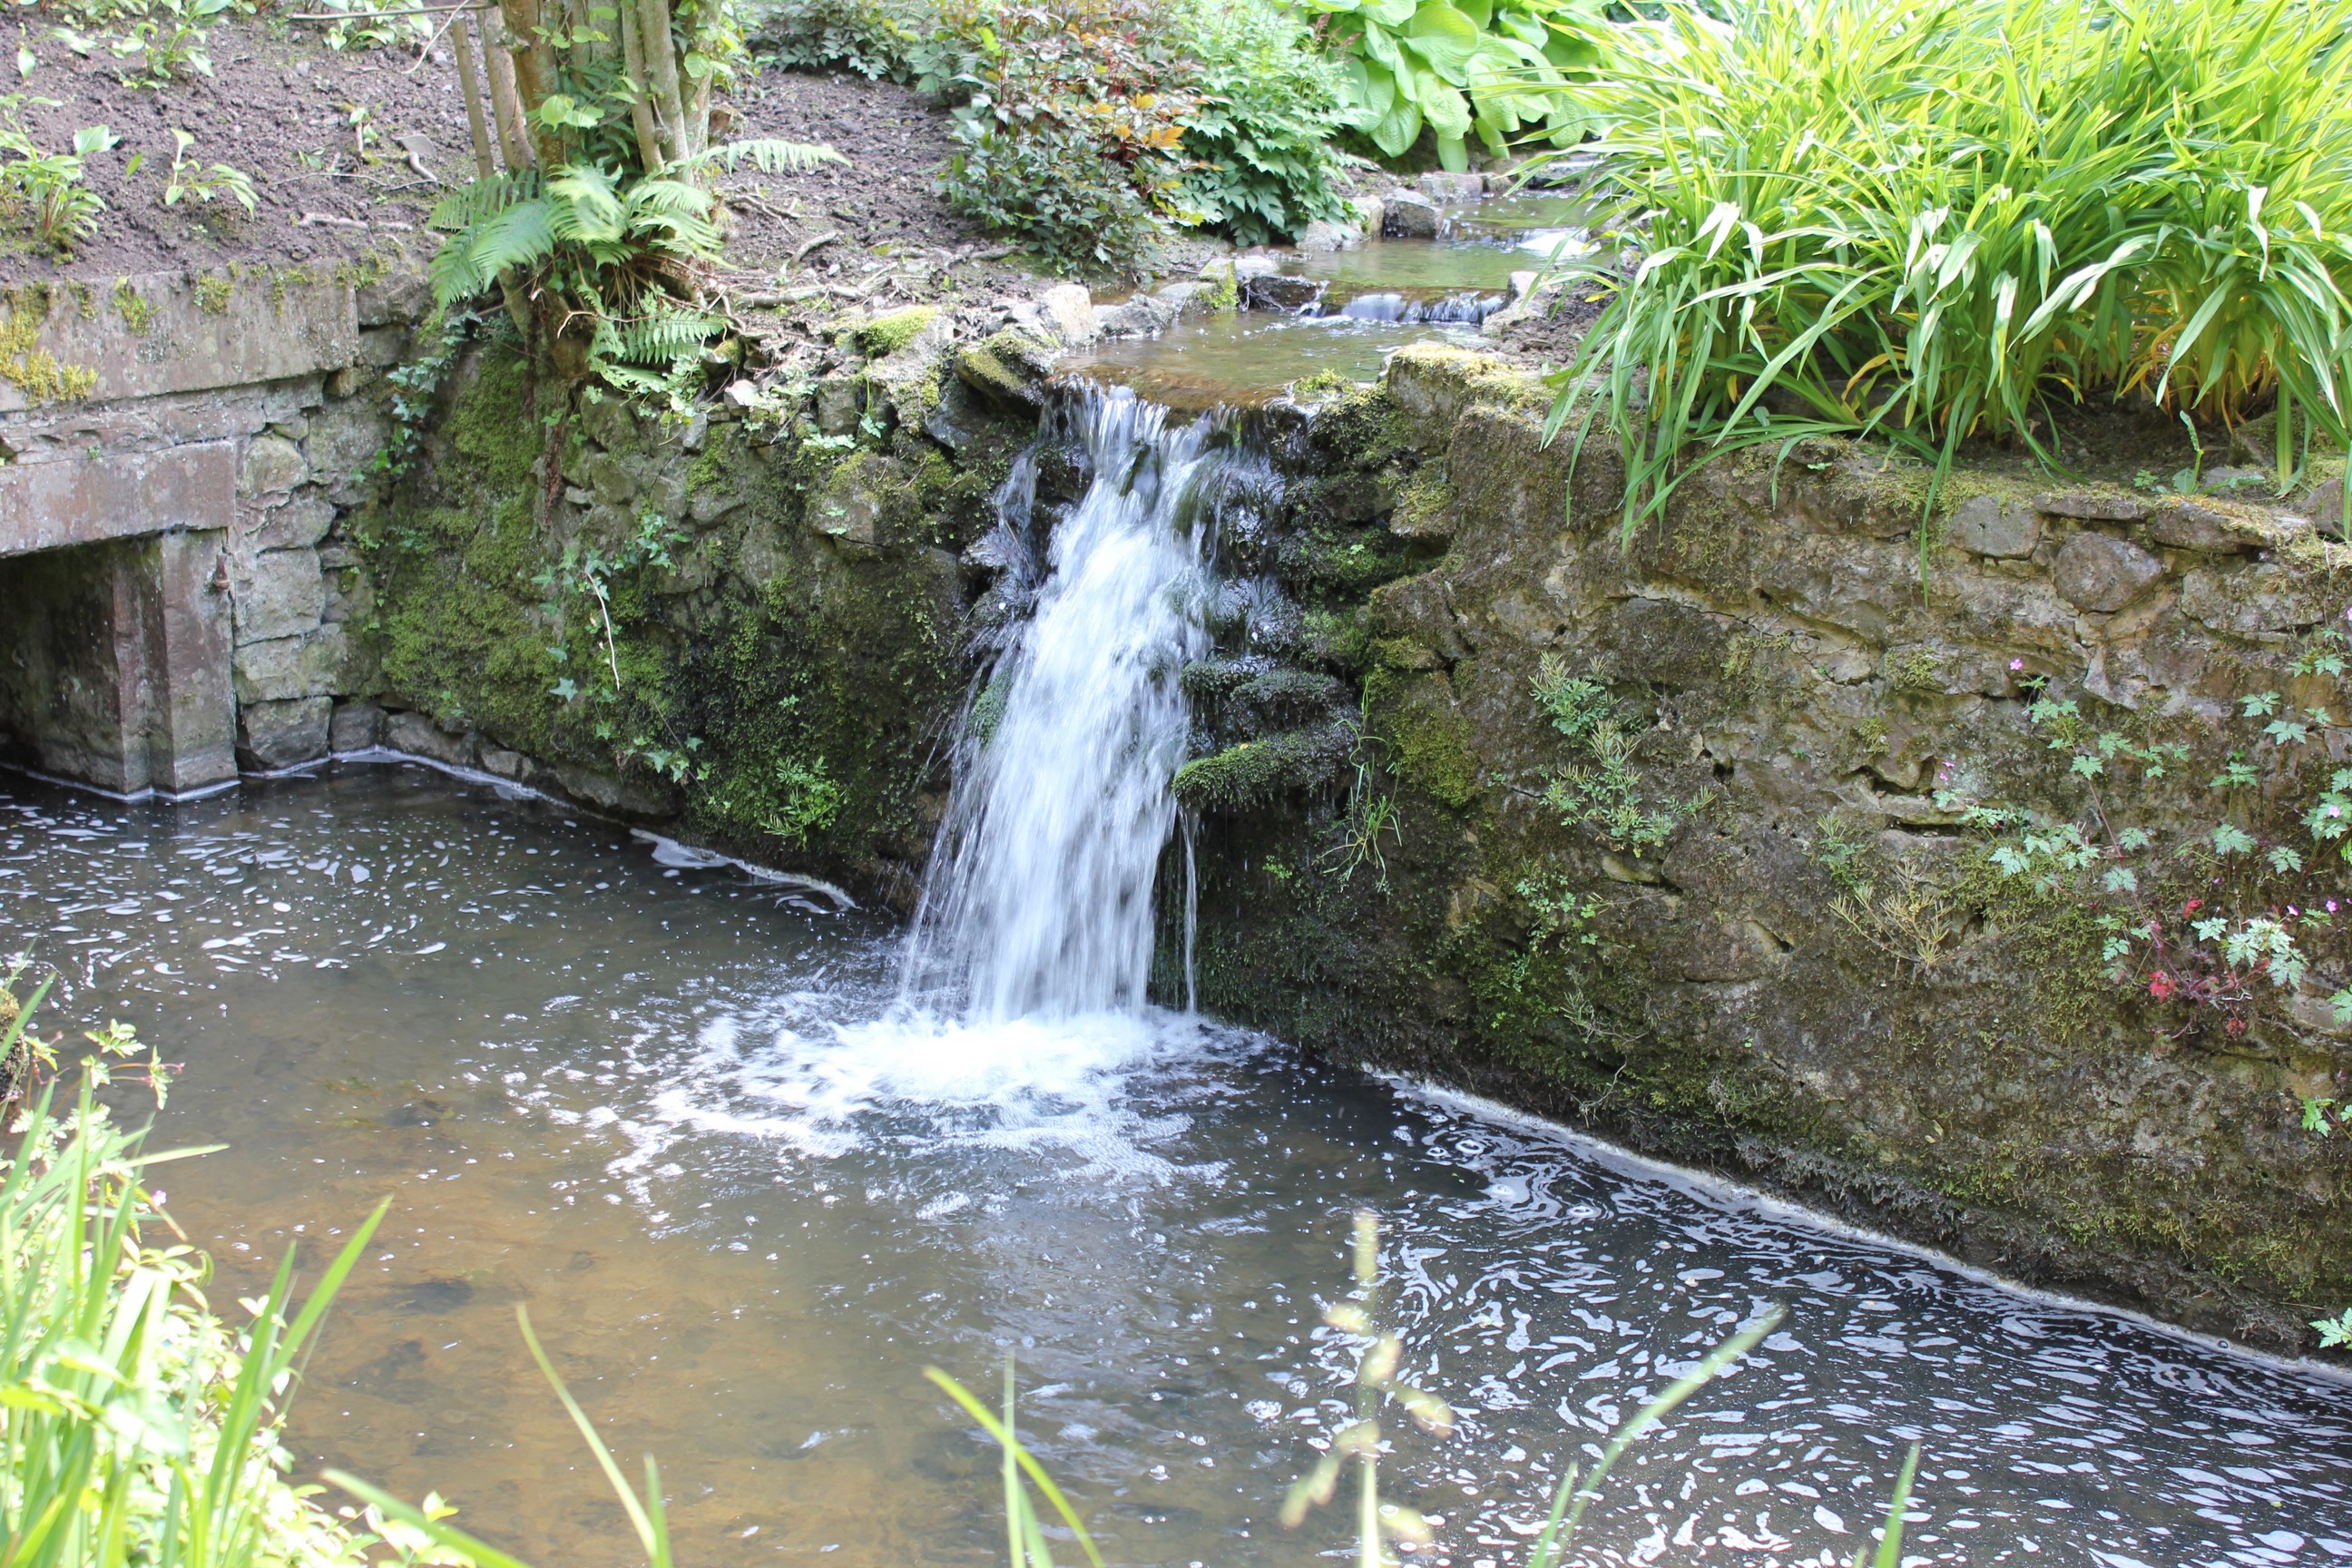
[45,506]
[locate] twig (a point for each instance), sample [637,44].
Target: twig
[328,220]
[806,246]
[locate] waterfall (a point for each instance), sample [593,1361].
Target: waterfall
[1039,897]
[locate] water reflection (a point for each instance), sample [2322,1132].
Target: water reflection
[669,1108]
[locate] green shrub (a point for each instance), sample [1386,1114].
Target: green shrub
[1261,138]
[1509,70]
[1938,222]
[1071,137]
[879,39]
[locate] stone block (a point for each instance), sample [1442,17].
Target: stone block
[1986,525]
[1441,186]
[1144,315]
[344,441]
[1068,312]
[400,294]
[355,727]
[278,592]
[2215,527]
[2099,573]
[1371,213]
[286,667]
[2091,505]
[2256,599]
[46,505]
[296,524]
[272,735]
[418,736]
[502,764]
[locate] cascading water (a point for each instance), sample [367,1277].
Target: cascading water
[1039,902]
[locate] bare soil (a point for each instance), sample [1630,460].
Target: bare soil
[349,151]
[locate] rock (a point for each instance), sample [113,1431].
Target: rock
[499,763]
[343,444]
[286,667]
[271,735]
[2093,505]
[1068,312]
[1144,315]
[418,736]
[1986,525]
[1276,291]
[272,466]
[951,421]
[297,524]
[1407,214]
[908,379]
[2254,599]
[850,506]
[1439,186]
[840,402]
[709,504]
[608,421]
[2325,507]
[2099,573]
[1523,283]
[615,796]
[1242,269]
[1371,212]
[1322,237]
[1186,298]
[278,592]
[1009,370]
[400,294]
[356,727]
[742,394]
[2218,527]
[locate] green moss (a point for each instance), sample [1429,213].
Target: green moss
[137,312]
[1224,294]
[1257,772]
[213,293]
[1415,715]
[886,335]
[39,374]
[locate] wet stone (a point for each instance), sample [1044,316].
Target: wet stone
[1409,215]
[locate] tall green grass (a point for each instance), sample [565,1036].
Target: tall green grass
[134,1426]
[1937,219]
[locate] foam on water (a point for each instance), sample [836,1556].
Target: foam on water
[917,1082]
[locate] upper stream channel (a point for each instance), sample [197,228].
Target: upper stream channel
[754,1158]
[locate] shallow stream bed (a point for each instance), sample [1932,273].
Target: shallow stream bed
[673,1110]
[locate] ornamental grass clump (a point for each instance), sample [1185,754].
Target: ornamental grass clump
[1938,221]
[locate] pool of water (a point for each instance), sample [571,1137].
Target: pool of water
[1250,356]
[677,1110]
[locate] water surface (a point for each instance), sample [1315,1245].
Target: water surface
[669,1108]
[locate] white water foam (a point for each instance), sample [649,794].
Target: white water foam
[1039,903]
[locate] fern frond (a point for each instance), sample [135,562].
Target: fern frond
[584,206]
[768,154]
[468,261]
[475,200]
[663,335]
[675,212]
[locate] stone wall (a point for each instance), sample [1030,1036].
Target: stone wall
[1801,968]
[235,411]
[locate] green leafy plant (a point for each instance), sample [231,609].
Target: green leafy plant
[1503,70]
[203,186]
[1260,135]
[375,24]
[171,40]
[1072,136]
[1599,786]
[1934,223]
[879,39]
[44,190]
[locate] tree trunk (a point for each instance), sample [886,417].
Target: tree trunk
[632,67]
[661,61]
[469,82]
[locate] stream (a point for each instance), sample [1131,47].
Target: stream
[754,1158]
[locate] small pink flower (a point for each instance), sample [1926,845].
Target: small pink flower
[2331,906]
[2018,664]
[2292,911]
